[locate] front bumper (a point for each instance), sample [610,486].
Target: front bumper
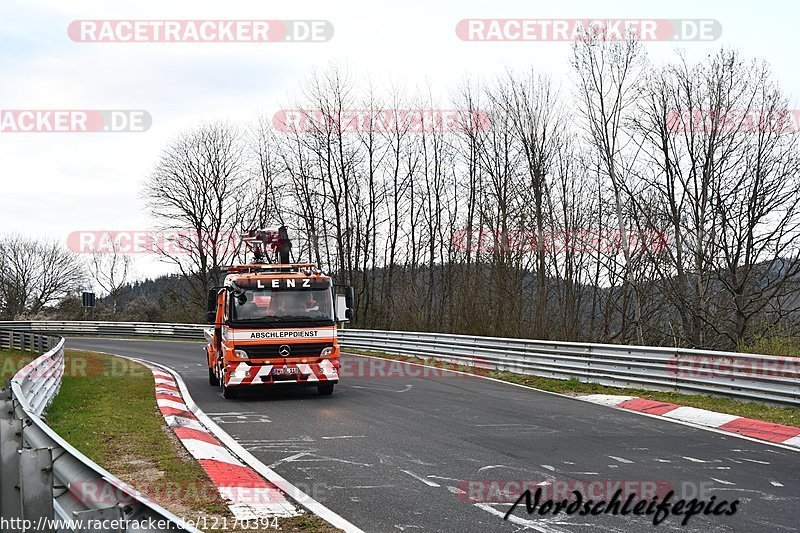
[248,374]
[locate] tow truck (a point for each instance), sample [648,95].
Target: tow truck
[275,323]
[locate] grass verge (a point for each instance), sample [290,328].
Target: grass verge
[12,361]
[789,416]
[106,408]
[782,345]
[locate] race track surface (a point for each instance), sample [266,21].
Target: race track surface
[391,453]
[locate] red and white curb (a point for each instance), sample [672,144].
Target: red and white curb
[248,495]
[748,427]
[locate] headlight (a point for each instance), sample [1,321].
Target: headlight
[326,351]
[241,354]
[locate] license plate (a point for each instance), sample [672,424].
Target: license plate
[285,371]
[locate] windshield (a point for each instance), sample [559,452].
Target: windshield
[264,305]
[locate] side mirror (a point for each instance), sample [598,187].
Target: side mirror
[345,308]
[211,304]
[350,298]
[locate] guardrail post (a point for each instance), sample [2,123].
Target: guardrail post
[36,485]
[6,405]
[10,496]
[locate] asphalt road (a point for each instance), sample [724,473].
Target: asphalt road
[391,453]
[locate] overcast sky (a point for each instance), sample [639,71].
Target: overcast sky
[53,184]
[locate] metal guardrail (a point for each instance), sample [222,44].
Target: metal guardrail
[752,377]
[110,329]
[43,479]
[760,378]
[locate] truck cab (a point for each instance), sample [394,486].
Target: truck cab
[275,325]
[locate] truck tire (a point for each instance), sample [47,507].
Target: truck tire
[325,389]
[229,392]
[212,378]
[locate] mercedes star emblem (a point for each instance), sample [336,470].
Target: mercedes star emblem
[284,350]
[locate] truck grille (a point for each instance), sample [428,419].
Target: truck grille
[270,351]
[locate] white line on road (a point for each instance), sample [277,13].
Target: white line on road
[490,467]
[723,481]
[419,478]
[408,388]
[534,525]
[370,487]
[621,460]
[287,459]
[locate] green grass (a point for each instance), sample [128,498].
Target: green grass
[106,408]
[769,413]
[782,345]
[12,361]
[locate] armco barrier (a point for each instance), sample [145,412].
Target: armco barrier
[745,376]
[42,477]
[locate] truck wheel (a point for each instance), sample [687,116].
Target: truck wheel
[212,378]
[229,392]
[325,389]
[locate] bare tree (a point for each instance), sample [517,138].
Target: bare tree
[111,269]
[199,197]
[538,125]
[608,71]
[35,274]
[721,175]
